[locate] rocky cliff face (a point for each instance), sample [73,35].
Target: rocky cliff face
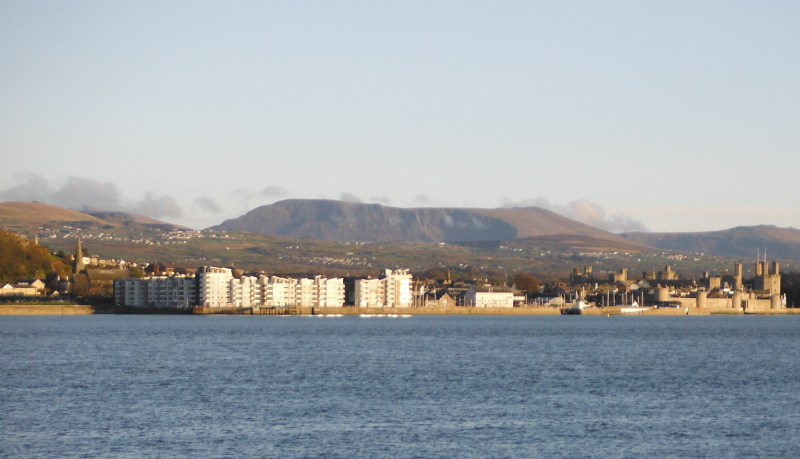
[344,221]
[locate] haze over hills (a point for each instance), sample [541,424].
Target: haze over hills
[348,222]
[742,241]
[29,216]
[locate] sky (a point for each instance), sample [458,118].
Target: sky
[629,115]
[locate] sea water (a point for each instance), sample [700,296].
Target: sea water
[255,386]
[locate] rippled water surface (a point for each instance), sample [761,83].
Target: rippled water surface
[161,386]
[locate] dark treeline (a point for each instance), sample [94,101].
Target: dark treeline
[790,285]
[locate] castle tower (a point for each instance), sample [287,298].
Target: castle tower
[736,301]
[661,293]
[737,276]
[768,280]
[702,299]
[77,264]
[620,276]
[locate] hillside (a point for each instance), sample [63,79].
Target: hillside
[583,243]
[16,216]
[27,217]
[21,258]
[344,221]
[550,257]
[742,241]
[133,220]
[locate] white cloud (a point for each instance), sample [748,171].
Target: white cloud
[86,195]
[274,191]
[30,187]
[380,200]
[349,197]
[207,204]
[585,212]
[423,200]
[158,206]
[83,193]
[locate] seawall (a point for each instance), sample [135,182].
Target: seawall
[354,311]
[45,309]
[684,311]
[463,311]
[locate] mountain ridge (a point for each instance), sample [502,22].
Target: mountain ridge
[351,222]
[740,241]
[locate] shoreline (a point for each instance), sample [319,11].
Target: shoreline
[77,309]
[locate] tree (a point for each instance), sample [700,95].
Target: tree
[790,285]
[433,274]
[526,282]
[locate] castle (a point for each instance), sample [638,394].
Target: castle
[666,288]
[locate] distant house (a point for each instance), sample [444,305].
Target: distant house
[35,283]
[489,297]
[550,301]
[24,287]
[159,268]
[439,299]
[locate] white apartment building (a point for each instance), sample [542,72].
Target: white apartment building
[278,291]
[319,291]
[245,292]
[171,291]
[330,292]
[398,288]
[216,287]
[391,290]
[369,293]
[306,292]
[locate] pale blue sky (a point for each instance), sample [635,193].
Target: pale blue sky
[681,115]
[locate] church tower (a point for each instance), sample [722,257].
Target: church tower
[77,264]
